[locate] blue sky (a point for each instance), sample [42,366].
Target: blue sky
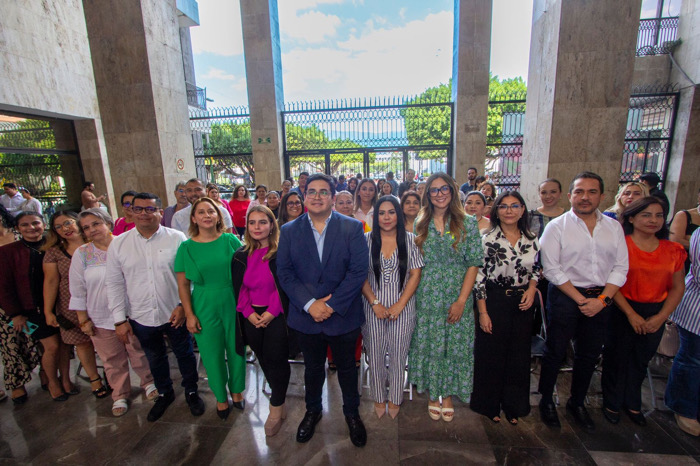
[356,48]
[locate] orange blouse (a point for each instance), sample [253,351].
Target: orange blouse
[650,274]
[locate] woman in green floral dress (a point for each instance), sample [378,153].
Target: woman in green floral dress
[441,357]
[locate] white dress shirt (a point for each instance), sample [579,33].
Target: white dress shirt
[87,279]
[140,280]
[570,253]
[181,219]
[12,204]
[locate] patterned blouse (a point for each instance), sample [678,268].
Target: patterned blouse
[506,265]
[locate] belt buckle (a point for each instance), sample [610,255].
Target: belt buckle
[509,292]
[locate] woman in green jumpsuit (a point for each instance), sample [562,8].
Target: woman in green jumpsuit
[205,261]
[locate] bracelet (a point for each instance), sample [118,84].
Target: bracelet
[120,323]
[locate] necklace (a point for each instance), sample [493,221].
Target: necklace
[33,249]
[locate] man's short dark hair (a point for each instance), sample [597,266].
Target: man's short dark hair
[587,175]
[87,184]
[650,177]
[389,174]
[10,185]
[322,177]
[472,168]
[196,180]
[303,173]
[148,196]
[341,177]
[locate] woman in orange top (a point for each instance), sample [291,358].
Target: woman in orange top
[653,289]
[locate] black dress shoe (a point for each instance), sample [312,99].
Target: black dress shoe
[195,403]
[580,415]
[20,400]
[239,404]
[637,418]
[548,413]
[611,416]
[162,402]
[223,413]
[358,434]
[308,425]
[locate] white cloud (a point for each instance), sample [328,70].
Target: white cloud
[312,27]
[379,62]
[220,29]
[216,73]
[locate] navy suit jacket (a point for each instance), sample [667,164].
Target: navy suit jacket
[342,272]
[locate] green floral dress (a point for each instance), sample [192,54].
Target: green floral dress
[441,358]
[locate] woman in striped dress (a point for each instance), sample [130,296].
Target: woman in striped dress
[390,303]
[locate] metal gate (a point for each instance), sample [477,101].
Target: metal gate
[650,125]
[368,136]
[504,138]
[33,154]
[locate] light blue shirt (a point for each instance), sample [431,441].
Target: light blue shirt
[319,238]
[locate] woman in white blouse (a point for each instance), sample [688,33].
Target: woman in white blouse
[505,291]
[89,299]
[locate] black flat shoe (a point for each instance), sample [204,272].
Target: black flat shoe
[580,415]
[223,413]
[512,420]
[73,391]
[611,416]
[308,426]
[239,404]
[20,400]
[637,418]
[61,397]
[548,413]
[358,433]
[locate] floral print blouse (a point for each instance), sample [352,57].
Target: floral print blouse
[506,265]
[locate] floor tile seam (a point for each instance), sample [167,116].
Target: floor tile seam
[673,437]
[228,427]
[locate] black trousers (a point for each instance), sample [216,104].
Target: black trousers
[271,347]
[314,347]
[565,322]
[626,357]
[502,358]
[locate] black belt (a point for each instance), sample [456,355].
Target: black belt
[510,291]
[593,291]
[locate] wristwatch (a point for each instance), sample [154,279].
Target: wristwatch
[375,302]
[605,299]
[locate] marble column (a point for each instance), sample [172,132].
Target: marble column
[263,64]
[579,79]
[470,84]
[137,60]
[682,178]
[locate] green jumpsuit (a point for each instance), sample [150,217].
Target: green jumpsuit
[208,267]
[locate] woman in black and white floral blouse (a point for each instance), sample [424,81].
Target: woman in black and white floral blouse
[505,290]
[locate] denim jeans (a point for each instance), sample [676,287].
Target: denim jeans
[152,341]
[683,388]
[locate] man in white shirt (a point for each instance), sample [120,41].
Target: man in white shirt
[584,256]
[12,199]
[194,189]
[143,298]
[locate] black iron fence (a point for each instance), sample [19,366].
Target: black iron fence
[223,151]
[504,138]
[657,36]
[650,126]
[369,136]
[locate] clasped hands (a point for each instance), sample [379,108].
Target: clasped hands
[590,306]
[382,312]
[319,310]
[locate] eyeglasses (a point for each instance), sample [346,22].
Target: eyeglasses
[445,189]
[294,204]
[126,205]
[324,193]
[66,224]
[504,207]
[148,210]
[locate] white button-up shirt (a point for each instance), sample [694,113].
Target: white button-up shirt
[570,253]
[140,277]
[12,204]
[181,219]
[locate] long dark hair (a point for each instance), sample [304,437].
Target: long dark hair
[523,222]
[638,206]
[283,216]
[376,236]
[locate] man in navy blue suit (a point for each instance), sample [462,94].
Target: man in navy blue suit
[322,263]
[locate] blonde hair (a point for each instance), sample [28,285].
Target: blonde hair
[251,244]
[455,214]
[357,200]
[194,228]
[617,207]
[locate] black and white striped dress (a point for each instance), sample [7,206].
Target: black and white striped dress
[384,336]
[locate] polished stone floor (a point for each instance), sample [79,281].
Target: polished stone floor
[83,431]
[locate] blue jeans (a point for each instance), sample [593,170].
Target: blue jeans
[683,388]
[153,343]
